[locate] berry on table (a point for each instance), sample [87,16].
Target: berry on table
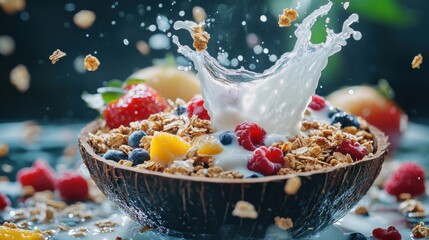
[317,103]
[356,236]
[356,150]
[40,176]
[250,135]
[139,156]
[115,155]
[386,234]
[196,107]
[135,137]
[73,187]
[226,137]
[4,202]
[266,161]
[345,119]
[408,178]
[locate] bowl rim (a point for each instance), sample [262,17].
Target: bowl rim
[380,141]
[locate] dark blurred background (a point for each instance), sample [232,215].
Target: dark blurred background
[394,31]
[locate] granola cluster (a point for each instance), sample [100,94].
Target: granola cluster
[287,17]
[201,38]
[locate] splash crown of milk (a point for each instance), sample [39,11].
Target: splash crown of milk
[277,98]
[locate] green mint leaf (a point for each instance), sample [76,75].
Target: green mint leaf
[114,83]
[132,81]
[110,94]
[384,89]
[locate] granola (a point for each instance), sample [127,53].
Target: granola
[56,55]
[4,149]
[420,231]
[201,38]
[20,78]
[84,19]
[244,209]
[91,63]
[287,17]
[283,223]
[417,61]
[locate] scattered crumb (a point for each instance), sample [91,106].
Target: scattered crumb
[404,196]
[91,63]
[105,223]
[288,16]
[201,38]
[143,47]
[361,210]
[79,232]
[420,231]
[144,229]
[412,206]
[11,7]
[417,61]
[283,223]
[244,209]
[20,78]
[84,19]
[199,14]
[32,131]
[292,185]
[7,45]
[118,238]
[4,149]
[55,57]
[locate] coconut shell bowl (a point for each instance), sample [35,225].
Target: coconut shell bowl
[194,207]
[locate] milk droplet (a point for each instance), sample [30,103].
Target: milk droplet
[159,41]
[263,18]
[162,23]
[346,5]
[257,49]
[182,13]
[272,58]
[240,58]
[152,28]
[243,23]
[126,42]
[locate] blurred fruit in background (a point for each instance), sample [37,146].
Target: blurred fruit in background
[375,105]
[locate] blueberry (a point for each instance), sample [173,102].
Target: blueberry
[135,137]
[115,155]
[356,236]
[345,119]
[255,175]
[226,137]
[332,111]
[181,109]
[139,156]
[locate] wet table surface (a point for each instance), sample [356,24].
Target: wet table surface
[57,144]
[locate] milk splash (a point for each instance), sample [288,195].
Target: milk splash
[277,98]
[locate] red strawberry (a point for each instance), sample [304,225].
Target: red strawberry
[408,178]
[4,202]
[196,107]
[317,103]
[40,176]
[386,234]
[266,161]
[72,186]
[138,103]
[250,135]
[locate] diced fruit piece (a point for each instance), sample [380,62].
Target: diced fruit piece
[40,176]
[138,103]
[135,137]
[386,234]
[250,135]
[317,103]
[196,107]
[139,156]
[115,155]
[227,137]
[20,234]
[166,147]
[408,178]
[356,150]
[266,161]
[210,147]
[345,119]
[4,202]
[73,187]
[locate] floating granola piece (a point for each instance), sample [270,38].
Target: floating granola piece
[417,61]
[288,16]
[55,57]
[283,223]
[91,63]
[292,185]
[244,209]
[84,19]
[361,210]
[143,47]
[201,38]
[4,149]
[7,45]
[199,14]
[413,207]
[20,78]
[420,231]
[11,7]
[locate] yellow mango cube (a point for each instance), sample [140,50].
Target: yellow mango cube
[166,147]
[19,234]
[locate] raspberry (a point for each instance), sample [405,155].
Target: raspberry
[196,107]
[40,176]
[386,234]
[250,135]
[266,161]
[408,178]
[72,186]
[4,202]
[317,103]
[356,150]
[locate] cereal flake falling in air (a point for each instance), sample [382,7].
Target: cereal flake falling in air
[12,6]
[55,57]
[292,185]
[7,45]
[84,19]
[4,149]
[143,47]
[417,61]
[283,223]
[20,78]
[288,16]
[420,231]
[91,63]
[201,38]
[244,209]
[199,14]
